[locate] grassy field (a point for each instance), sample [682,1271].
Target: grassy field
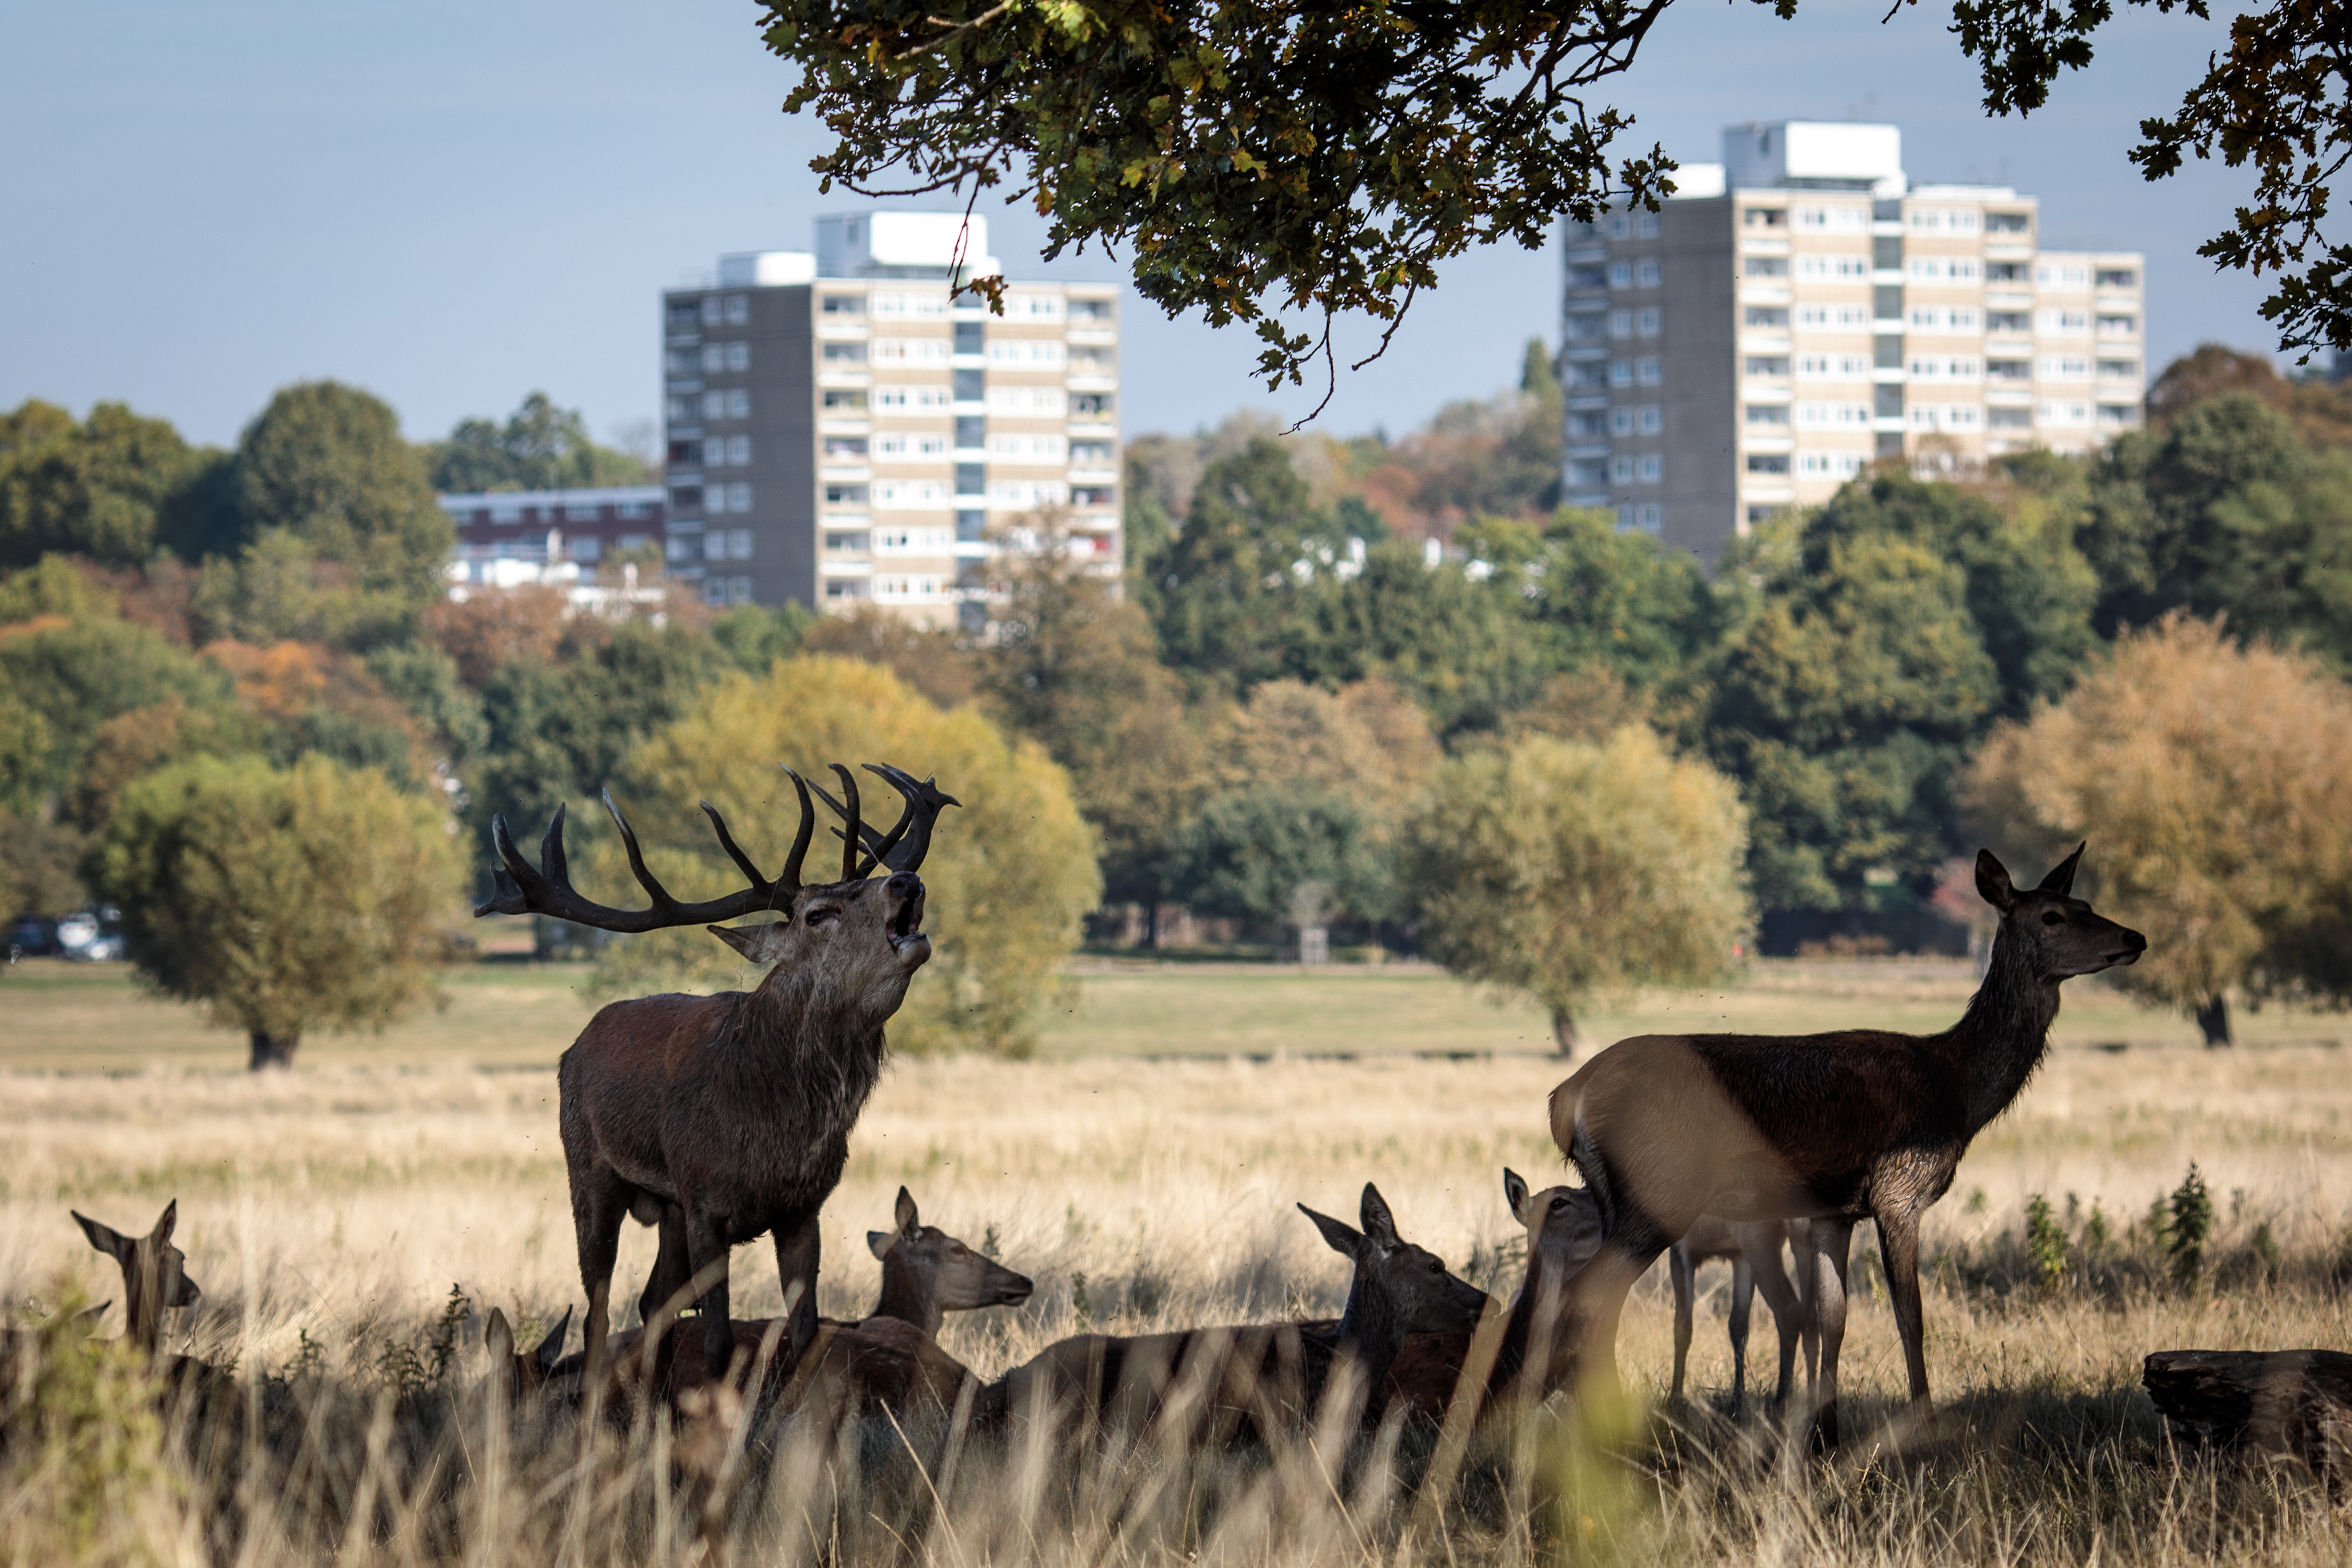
[1147,1164]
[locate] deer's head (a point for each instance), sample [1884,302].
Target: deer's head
[524,1375]
[1410,1283]
[854,944]
[951,1276]
[154,1272]
[2058,934]
[1564,1225]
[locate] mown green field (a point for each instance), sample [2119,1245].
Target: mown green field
[55,1015]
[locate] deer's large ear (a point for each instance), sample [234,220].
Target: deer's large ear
[171,1216]
[1992,882]
[550,1349]
[106,1238]
[1338,1234]
[497,1336]
[879,1242]
[2060,879]
[909,1222]
[1379,1224]
[756,943]
[1514,1189]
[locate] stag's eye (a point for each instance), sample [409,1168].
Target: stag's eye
[2053,918]
[823,917]
[1435,1267]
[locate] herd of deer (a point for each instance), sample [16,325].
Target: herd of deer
[725,1117]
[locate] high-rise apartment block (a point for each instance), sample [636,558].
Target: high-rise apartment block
[843,431]
[1803,310]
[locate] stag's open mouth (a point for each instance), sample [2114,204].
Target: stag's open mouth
[906,927]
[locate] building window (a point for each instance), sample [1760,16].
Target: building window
[844,495]
[1621,275]
[1764,266]
[633,509]
[1765,218]
[972,526]
[1653,419]
[714,310]
[845,353]
[845,446]
[971,478]
[1767,462]
[1652,468]
[739,450]
[2008,370]
[838,400]
[1621,373]
[577,512]
[2117,415]
[1646,274]
[1647,518]
[1647,323]
[1646,224]
[732,405]
[2117,278]
[2119,370]
[1621,422]
[971,385]
[844,588]
[1620,470]
[1648,371]
[971,431]
[2007,222]
[970,337]
[1619,226]
[1620,323]
[584,548]
[1767,366]
[739,543]
[2008,321]
[1771,415]
[1086,404]
[842,305]
[2005,272]
[1090,310]
[2009,418]
[2117,326]
[739,497]
[739,310]
[1770,317]
[684,498]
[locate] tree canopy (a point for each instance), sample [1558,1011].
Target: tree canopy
[1289,158]
[540,448]
[283,900]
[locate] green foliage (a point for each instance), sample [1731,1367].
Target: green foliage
[2189,1211]
[1009,875]
[51,586]
[1254,160]
[284,902]
[2045,1244]
[425,680]
[109,488]
[1568,870]
[1228,583]
[1277,853]
[754,636]
[75,676]
[540,448]
[1618,600]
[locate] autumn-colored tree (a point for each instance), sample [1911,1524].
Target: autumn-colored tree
[284,902]
[1010,876]
[2214,783]
[491,627]
[1569,870]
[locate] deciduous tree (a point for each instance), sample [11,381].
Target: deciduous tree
[2214,783]
[283,901]
[1569,870]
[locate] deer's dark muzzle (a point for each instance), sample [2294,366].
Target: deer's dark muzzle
[2130,946]
[906,922]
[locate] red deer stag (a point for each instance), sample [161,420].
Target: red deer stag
[732,1112]
[889,1359]
[1753,1250]
[1834,1128]
[1215,1384]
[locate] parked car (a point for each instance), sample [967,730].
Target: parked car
[33,936]
[92,936]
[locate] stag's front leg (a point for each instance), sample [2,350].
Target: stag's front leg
[796,1263]
[706,1247]
[1898,1247]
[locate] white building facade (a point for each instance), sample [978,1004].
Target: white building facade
[1803,310]
[842,432]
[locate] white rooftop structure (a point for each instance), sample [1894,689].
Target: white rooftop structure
[902,245]
[1815,154]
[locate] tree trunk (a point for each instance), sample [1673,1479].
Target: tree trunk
[2213,1017]
[1563,1033]
[274,1050]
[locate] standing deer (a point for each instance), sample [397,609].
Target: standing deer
[1212,1384]
[1834,1128]
[1753,1250]
[729,1114]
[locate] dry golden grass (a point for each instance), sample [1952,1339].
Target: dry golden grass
[338,1204]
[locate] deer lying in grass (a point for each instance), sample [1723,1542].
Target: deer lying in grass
[523,1378]
[887,1360]
[1753,1250]
[1834,1128]
[154,1274]
[1533,1355]
[1218,1385]
[727,1117]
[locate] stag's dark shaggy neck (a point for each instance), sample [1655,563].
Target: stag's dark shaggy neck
[907,1296]
[796,1035]
[2004,1034]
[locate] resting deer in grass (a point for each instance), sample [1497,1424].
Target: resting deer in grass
[1534,1354]
[730,1114]
[154,1273]
[889,1359]
[523,1376]
[1213,1384]
[1753,1250]
[1834,1128]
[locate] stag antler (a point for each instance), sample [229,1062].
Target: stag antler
[520,890]
[903,848]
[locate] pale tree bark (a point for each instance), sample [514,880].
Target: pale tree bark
[2213,1017]
[274,1050]
[1564,1036]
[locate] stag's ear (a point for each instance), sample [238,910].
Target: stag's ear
[879,1242]
[1992,882]
[909,1222]
[1340,1236]
[171,1216]
[1379,1224]
[106,1238]
[1514,1189]
[89,1317]
[2060,879]
[756,943]
[497,1336]
[550,1349]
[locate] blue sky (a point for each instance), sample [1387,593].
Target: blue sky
[453,204]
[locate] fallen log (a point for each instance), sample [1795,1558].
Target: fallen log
[2268,1403]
